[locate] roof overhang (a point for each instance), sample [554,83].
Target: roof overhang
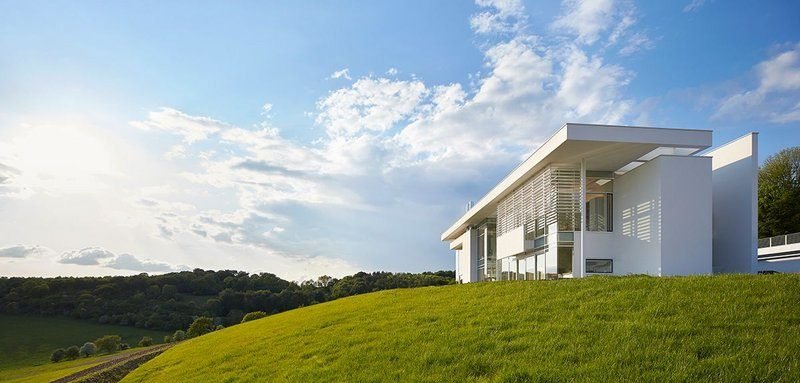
[603,147]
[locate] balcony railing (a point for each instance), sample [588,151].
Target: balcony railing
[779,240]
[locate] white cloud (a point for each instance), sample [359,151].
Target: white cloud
[694,5]
[191,128]
[776,98]
[344,73]
[503,16]
[370,104]
[392,72]
[22,251]
[129,262]
[86,256]
[97,256]
[590,21]
[586,18]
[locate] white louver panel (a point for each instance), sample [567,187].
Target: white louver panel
[550,196]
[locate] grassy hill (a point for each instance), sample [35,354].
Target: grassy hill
[27,341]
[720,328]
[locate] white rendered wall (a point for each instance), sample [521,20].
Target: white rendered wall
[735,205]
[511,243]
[599,245]
[463,273]
[662,219]
[467,263]
[637,204]
[685,215]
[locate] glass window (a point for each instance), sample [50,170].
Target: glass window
[564,261]
[540,269]
[599,199]
[604,266]
[530,268]
[551,263]
[599,212]
[508,268]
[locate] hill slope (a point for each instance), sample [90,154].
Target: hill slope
[721,328]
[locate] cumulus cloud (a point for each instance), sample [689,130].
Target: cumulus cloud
[129,262]
[590,21]
[22,251]
[344,73]
[775,98]
[97,256]
[191,128]
[86,256]
[499,16]
[371,104]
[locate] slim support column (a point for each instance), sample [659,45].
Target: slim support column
[583,216]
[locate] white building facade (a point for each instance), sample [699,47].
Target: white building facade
[615,200]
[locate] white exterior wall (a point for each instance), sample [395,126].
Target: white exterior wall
[463,263]
[735,205]
[511,243]
[662,219]
[599,244]
[467,262]
[637,221]
[685,215]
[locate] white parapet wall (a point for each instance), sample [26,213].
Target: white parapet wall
[735,205]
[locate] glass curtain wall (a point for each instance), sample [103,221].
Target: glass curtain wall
[487,251]
[548,206]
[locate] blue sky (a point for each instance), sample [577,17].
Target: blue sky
[309,138]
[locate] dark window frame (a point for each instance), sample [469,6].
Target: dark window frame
[586,261]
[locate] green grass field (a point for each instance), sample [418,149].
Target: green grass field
[720,328]
[27,341]
[51,371]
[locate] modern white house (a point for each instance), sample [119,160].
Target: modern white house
[615,200]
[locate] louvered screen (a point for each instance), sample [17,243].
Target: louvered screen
[552,195]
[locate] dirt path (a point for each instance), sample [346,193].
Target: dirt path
[115,369]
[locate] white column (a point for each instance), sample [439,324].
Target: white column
[583,216]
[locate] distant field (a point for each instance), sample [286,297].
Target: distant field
[27,341]
[705,328]
[51,371]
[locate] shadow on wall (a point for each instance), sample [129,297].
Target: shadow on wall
[642,221]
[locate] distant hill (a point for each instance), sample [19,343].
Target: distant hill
[704,328]
[171,301]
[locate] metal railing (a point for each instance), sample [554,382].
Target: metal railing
[779,240]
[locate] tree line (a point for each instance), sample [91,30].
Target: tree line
[173,301]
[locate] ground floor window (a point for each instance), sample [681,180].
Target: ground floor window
[601,266]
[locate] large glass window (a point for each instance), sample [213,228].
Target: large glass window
[565,262]
[508,269]
[599,212]
[599,201]
[487,244]
[540,269]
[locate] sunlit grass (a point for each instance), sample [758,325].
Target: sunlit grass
[721,328]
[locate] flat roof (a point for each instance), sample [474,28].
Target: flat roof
[603,147]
